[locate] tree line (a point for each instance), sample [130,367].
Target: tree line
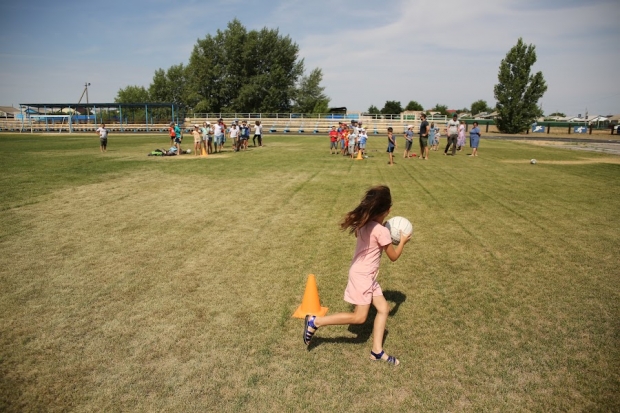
[395,107]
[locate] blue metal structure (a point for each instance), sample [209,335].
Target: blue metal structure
[30,111]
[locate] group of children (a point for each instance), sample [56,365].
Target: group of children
[349,140]
[212,139]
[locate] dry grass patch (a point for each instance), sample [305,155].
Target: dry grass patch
[122,284]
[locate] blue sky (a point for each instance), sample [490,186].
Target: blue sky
[444,52]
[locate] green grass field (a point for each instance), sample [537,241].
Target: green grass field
[133,283]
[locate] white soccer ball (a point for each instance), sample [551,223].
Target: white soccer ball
[396,225]
[533,161]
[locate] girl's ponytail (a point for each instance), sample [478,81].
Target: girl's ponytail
[376,201]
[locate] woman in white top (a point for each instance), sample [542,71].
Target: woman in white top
[218,134]
[461,138]
[257,134]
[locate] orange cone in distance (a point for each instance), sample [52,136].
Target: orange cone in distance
[359,155]
[203,152]
[310,303]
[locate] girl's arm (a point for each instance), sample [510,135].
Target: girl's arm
[394,252]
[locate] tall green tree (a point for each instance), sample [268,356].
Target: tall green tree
[310,97]
[171,86]
[237,70]
[241,71]
[442,109]
[391,107]
[177,80]
[413,105]
[518,91]
[132,94]
[373,110]
[479,106]
[321,107]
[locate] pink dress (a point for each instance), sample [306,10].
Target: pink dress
[363,285]
[461,138]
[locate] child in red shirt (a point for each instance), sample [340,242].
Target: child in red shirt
[333,139]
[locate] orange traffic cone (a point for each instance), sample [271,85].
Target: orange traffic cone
[203,152]
[310,303]
[359,155]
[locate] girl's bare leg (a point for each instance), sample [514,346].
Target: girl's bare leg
[378,329]
[358,316]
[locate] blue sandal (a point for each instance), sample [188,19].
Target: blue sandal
[379,357]
[308,324]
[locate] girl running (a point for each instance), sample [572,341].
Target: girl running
[366,222]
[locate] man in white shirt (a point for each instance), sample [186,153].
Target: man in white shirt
[218,135]
[453,134]
[103,137]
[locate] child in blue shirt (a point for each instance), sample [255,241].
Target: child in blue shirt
[362,141]
[391,145]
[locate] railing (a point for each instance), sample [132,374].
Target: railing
[331,116]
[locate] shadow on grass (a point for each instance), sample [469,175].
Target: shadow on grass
[363,331]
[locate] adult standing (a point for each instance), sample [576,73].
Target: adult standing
[474,139]
[103,137]
[424,131]
[461,138]
[453,134]
[218,134]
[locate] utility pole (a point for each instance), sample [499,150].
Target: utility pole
[86,85]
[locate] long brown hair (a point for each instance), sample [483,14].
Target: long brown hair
[376,201]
